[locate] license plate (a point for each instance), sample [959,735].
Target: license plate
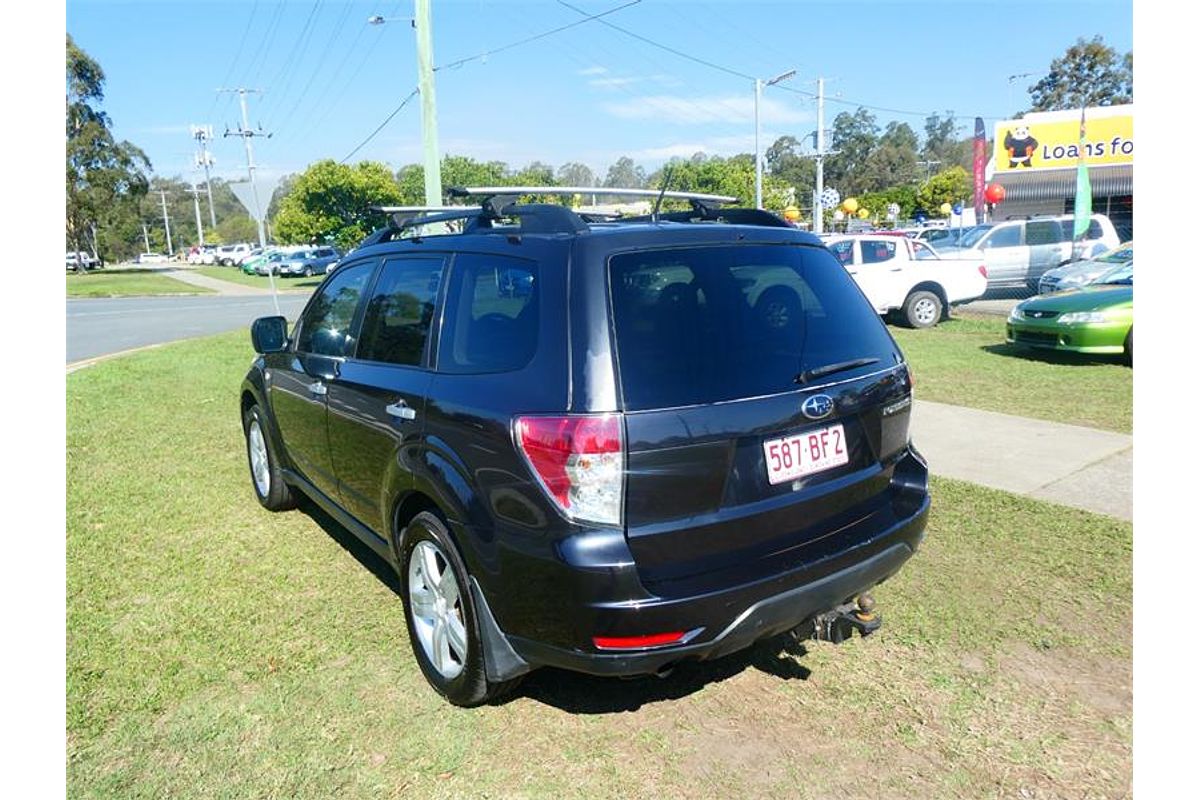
[805,453]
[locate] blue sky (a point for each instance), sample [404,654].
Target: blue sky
[587,94]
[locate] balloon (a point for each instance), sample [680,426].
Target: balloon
[945,209]
[791,213]
[921,217]
[863,213]
[851,205]
[957,208]
[994,193]
[838,215]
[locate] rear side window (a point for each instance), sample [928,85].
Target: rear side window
[843,251]
[875,252]
[1043,232]
[491,320]
[705,324]
[400,313]
[1006,236]
[325,328]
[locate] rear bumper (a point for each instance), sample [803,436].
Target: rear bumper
[761,619]
[589,601]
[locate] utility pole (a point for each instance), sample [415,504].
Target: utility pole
[429,136]
[247,134]
[195,190]
[758,170]
[818,209]
[166,220]
[202,133]
[146,237]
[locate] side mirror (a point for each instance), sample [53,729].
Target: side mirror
[269,334]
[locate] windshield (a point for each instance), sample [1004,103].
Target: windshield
[1118,256]
[972,236]
[706,324]
[1120,276]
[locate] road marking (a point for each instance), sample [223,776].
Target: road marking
[87,362]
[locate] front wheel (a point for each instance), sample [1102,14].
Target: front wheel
[265,475]
[308,272]
[441,617]
[1129,348]
[922,309]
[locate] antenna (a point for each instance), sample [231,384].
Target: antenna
[667,173]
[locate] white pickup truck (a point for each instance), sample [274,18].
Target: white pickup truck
[908,279]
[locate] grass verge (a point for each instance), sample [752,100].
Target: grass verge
[235,275]
[126,283]
[966,362]
[217,650]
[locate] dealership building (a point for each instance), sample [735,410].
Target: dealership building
[1036,159]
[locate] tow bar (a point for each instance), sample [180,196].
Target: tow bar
[839,624]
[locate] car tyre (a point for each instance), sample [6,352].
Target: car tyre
[922,309]
[439,610]
[265,475]
[1129,347]
[308,272]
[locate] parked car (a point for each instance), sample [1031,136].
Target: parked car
[1081,273]
[1097,318]
[82,258]
[941,237]
[151,258]
[229,255]
[1018,252]
[306,263]
[250,263]
[606,447]
[906,279]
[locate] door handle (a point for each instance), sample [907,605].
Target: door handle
[318,388]
[401,410]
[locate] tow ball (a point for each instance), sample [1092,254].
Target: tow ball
[839,624]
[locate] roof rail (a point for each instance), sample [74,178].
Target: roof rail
[509,191]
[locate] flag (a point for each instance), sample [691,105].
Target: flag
[1083,186]
[980,162]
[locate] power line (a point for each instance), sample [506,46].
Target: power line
[286,73]
[382,125]
[534,38]
[237,57]
[341,24]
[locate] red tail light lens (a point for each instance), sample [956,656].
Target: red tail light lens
[580,462]
[631,642]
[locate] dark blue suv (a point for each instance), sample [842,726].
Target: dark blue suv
[609,446]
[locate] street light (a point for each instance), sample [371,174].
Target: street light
[425,86]
[758,87]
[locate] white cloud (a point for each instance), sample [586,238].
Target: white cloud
[713,146]
[613,83]
[593,71]
[700,110]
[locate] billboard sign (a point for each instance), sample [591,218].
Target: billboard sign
[1039,143]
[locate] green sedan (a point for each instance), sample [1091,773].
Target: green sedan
[1097,318]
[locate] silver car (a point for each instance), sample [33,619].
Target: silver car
[1081,273]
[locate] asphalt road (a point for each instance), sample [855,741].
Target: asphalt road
[97,327]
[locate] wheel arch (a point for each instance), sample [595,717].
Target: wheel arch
[937,289]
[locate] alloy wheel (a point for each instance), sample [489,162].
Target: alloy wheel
[436,604]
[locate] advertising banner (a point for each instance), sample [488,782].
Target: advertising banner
[979,165]
[1029,144]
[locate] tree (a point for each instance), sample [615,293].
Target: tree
[624,174]
[948,186]
[1090,73]
[785,163]
[105,178]
[893,162]
[732,176]
[854,137]
[332,201]
[576,174]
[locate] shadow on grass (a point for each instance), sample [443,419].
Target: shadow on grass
[577,693]
[1051,356]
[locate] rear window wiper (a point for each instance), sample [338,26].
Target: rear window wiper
[841,366]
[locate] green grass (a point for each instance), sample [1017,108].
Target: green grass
[126,283]
[966,362]
[217,650]
[235,275]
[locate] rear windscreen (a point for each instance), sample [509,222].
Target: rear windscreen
[705,324]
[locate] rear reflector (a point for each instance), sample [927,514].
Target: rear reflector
[983,270]
[632,642]
[579,461]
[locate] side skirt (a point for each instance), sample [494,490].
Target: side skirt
[364,534]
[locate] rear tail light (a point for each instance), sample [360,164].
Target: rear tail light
[579,461]
[983,270]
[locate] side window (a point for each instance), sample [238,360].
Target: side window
[1043,232]
[400,313]
[1094,231]
[875,252]
[923,251]
[491,315]
[844,251]
[325,327]
[1006,236]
